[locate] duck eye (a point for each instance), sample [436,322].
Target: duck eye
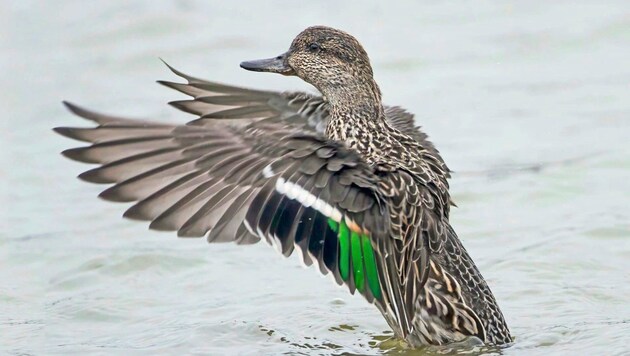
[314,47]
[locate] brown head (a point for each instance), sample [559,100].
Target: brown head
[329,59]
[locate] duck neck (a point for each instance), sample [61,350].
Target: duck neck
[355,110]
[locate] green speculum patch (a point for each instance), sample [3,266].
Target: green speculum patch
[344,250]
[357,261]
[358,248]
[370,267]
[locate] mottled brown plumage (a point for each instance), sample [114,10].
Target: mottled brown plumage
[351,183]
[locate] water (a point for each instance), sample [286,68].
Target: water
[528,101]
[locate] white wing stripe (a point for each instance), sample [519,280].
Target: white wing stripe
[304,197]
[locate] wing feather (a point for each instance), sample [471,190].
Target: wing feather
[212,101]
[254,165]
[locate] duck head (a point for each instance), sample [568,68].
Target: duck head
[329,59]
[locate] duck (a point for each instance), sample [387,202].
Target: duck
[351,185]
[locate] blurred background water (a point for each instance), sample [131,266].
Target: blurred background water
[529,102]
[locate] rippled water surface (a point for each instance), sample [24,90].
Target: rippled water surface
[529,102]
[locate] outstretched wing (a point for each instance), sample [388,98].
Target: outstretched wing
[253,166]
[213,101]
[242,184]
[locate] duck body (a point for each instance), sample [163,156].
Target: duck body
[353,185]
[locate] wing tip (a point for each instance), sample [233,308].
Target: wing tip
[77,110]
[184,105]
[70,106]
[168,65]
[78,154]
[66,132]
[167,83]
[80,111]
[135,213]
[112,194]
[178,73]
[95,176]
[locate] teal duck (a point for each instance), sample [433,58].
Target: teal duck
[350,183]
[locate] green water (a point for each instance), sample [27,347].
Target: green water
[529,102]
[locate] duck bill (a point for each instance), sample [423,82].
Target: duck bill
[276,64]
